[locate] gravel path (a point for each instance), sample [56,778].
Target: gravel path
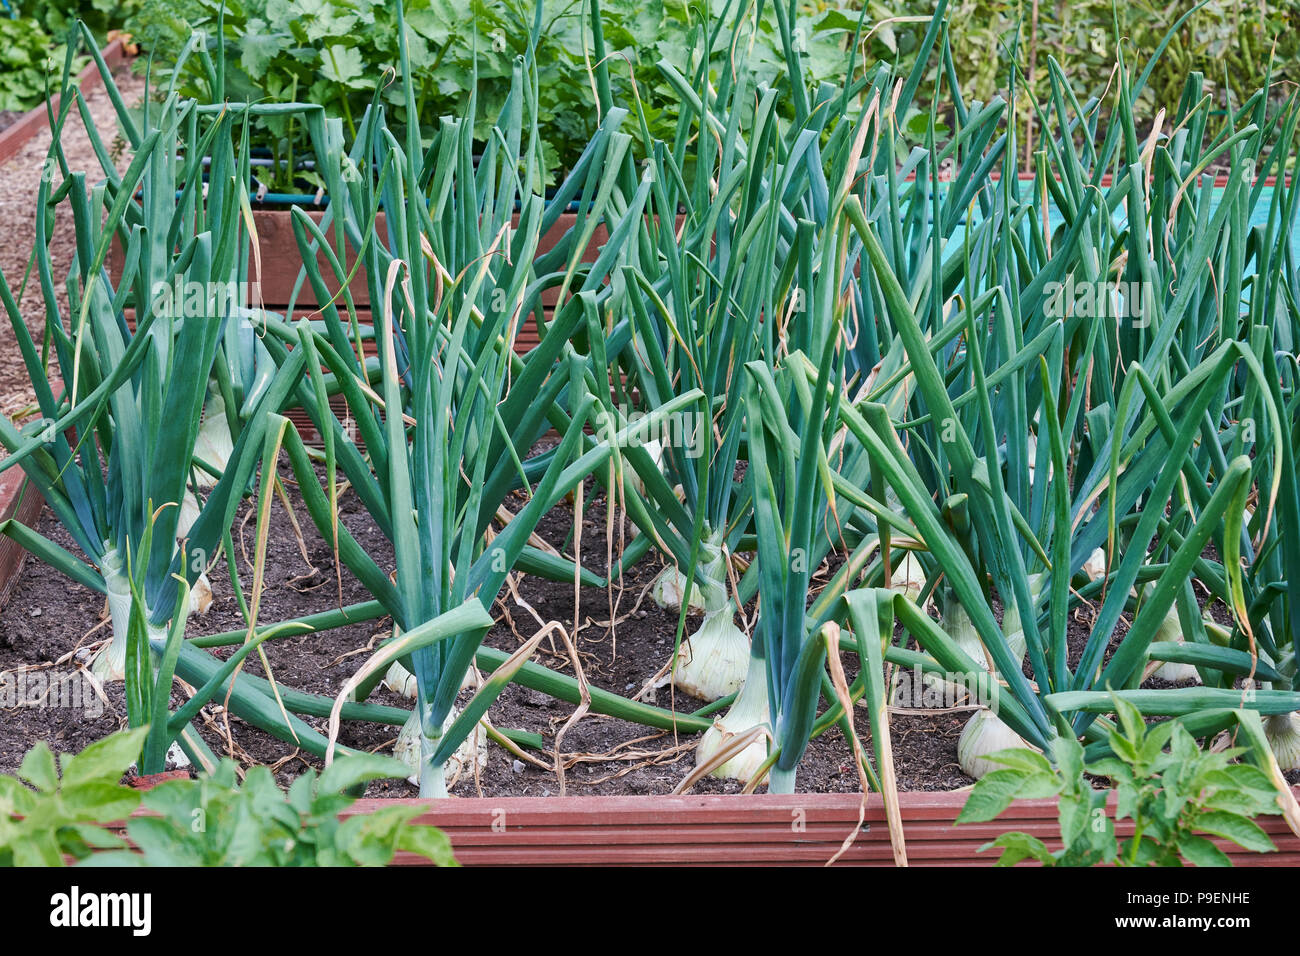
[19,179]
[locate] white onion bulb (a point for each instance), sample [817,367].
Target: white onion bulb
[403,683]
[669,588]
[400,681]
[201,595]
[1015,634]
[201,591]
[749,710]
[110,663]
[1283,733]
[711,663]
[1095,566]
[709,590]
[471,754]
[1171,629]
[176,758]
[213,443]
[655,450]
[985,733]
[908,579]
[958,625]
[190,509]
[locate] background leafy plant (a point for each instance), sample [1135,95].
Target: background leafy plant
[54,809]
[31,42]
[1232,42]
[59,16]
[337,52]
[28,58]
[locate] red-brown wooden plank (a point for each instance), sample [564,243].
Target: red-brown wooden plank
[280,260]
[736,830]
[20,500]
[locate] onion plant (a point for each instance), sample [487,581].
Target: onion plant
[799,510]
[766,281]
[244,369]
[813,330]
[113,453]
[698,302]
[451,411]
[722,277]
[790,507]
[760,267]
[1133,411]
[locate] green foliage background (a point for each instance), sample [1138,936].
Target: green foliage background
[31,48]
[336,52]
[1230,41]
[25,50]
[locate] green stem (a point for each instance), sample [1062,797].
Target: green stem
[780,781]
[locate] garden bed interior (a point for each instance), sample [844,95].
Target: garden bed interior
[618,776]
[47,617]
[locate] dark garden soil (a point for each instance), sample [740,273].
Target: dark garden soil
[49,617]
[8,118]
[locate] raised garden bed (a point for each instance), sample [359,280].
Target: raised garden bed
[1065,524]
[757,830]
[636,760]
[281,263]
[617,811]
[803,829]
[20,501]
